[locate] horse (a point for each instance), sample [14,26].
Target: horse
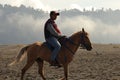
[38,52]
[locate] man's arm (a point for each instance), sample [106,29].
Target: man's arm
[52,30]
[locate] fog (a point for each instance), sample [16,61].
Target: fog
[26,25]
[99,32]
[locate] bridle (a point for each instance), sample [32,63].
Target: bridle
[82,41]
[80,44]
[75,44]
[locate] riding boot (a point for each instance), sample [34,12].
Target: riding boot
[55,63]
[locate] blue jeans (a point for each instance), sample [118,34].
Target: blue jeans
[55,43]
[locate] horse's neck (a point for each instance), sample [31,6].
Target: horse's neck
[76,42]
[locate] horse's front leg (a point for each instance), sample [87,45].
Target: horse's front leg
[65,72]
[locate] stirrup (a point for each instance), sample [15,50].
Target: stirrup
[55,63]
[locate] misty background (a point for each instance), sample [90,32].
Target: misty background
[24,25]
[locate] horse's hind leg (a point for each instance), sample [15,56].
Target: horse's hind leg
[26,67]
[40,68]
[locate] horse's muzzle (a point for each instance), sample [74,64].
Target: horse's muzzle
[88,47]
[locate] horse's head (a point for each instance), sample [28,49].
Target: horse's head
[84,40]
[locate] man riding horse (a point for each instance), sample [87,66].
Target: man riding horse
[52,34]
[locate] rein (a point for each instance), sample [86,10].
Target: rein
[73,42]
[70,40]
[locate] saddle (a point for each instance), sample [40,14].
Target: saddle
[61,40]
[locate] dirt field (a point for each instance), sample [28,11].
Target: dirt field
[102,63]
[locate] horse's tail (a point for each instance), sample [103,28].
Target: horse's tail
[20,56]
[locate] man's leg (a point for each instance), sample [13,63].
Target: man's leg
[54,42]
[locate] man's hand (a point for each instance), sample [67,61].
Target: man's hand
[63,36]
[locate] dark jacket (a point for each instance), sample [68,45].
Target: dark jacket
[51,29]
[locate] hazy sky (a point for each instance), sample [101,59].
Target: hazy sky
[65,4]
[104,30]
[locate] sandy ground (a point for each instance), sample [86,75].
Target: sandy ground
[102,63]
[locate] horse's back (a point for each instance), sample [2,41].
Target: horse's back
[41,46]
[42,50]
[38,43]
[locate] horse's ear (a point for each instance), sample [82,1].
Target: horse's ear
[83,30]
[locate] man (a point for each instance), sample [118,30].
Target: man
[52,34]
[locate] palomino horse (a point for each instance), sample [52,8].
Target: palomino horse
[39,52]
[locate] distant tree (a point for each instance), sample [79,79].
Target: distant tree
[84,10]
[93,9]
